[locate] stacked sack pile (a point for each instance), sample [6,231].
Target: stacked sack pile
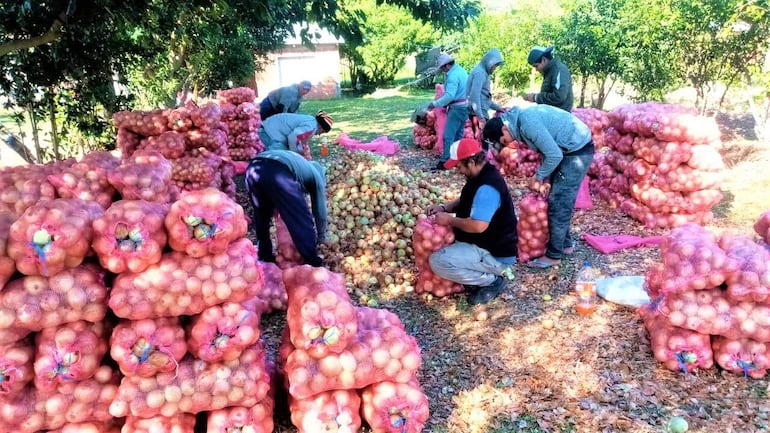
[711,302]
[241,115]
[663,167]
[428,132]
[343,363]
[597,121]
[186,286]
[193,139]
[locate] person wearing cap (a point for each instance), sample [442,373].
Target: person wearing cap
[484,223]
[567,148]
[279,180]
[455,85]
[556,89]
[479,92]
[284,99]
[290,131]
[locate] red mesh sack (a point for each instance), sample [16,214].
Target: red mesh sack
[73,402]
[147,347]
[532,227]
[746,357]
[142,122]
[68,352]
[87,180]
[222,332]
[146,175]
[130,236]
[236,95]
[286,255]
[52,236]
[320,316]
[427,238]
[176,423]
[183,285]
[390,407]
[273,296]
[751,281]
[16,367]
[196,386]
[22,187]
[207,116]
[677,348]
[170,144]
[112,426]
[12,334]
[7,265]
[255,419]
[35,302]
[693,260]
[424,137]
[204,222]
[762,226]
[336,410]
[377,318]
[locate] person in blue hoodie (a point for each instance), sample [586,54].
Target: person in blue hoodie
[279,180]
[290,131]
[567,148]
[479,93]
[455,86]
[284,99]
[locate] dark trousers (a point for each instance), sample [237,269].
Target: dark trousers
[273,187]
[565,182]
[266,109]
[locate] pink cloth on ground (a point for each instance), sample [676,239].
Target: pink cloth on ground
[608,244]
[382,144]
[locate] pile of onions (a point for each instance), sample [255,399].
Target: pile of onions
[761,227]
[130,236]
[744,356]
[145,176]
[183,285]
[7,265]
[16,367]
[87,179]
[677,348]
[395,407]
[177,423]
[320,316]
[332,411]
[36,302]
[147,347]
[255,419]
[428,238]
[222,332]
[73,402]
[70,352]
[532,227]
[204,222]
[243,123]
[24,186]
[751,280]
[194,387]
[52,236]
[596,120]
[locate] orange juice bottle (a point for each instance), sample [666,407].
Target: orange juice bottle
[324,147]
[585,289]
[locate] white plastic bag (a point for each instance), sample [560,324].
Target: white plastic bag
[626,290]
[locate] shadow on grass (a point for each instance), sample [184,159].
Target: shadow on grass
[722,210]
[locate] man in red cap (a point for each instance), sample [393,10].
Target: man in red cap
[484,223]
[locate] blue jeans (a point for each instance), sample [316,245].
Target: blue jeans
[454,129]
[565,182]
[467,264]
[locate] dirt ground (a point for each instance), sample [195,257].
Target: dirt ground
[526,364]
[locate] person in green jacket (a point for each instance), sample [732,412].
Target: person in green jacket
[556,89]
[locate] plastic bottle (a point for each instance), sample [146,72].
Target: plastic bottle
[324,147]
[585,289]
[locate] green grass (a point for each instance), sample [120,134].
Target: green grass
[367,117]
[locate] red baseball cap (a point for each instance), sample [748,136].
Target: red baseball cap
[462,149]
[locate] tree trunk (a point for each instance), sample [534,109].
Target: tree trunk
[54,132]
[583,85]
[35,135]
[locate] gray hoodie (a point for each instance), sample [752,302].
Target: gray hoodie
[549,130]
[478,90]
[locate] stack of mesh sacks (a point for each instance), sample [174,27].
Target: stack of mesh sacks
[52,330]
[241,115]
[431,134]
[186,342]
[711,302]
[663,167]
[193,139]
[344,364]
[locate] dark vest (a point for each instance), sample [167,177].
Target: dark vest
[501,237]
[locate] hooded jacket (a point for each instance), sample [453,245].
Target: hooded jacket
[478,90]
[455,84]
[548,130]
[288,131]
[556,89]
[285,99]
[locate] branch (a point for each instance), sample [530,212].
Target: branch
[52,35]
